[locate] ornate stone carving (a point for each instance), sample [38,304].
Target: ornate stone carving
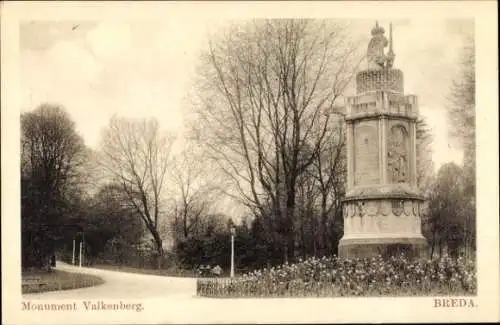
[397,155]
[397,207]
[375,53]
[415,208]
[366,153]
[376,56]
[407,207]
[345,211]
[385,207]
[360,208]
[372,208]
[351,210]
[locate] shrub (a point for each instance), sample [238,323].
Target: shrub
[332,276]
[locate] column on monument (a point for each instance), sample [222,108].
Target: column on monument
[380,152]
[383,150]
[413,153]
[385,102]
[350,153]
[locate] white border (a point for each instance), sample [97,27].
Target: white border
[263,310]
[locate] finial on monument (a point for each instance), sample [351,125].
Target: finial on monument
[377,30]
[375,54]
[390,37]
[390,54]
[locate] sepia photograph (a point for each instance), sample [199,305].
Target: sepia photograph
[215,163]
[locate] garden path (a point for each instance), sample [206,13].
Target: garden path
[120,285]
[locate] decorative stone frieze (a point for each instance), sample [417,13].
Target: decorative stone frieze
[415,208]
[385,207]
[408,208]
[372,208]
[372,80]
[397,207]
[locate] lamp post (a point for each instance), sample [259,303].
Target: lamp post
[82,242]
[74,247]
[233,232]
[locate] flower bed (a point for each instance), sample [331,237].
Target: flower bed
[333,277]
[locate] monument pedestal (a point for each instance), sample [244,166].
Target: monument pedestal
[361,247]
[382,220]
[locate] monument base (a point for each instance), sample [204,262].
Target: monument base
[412,247]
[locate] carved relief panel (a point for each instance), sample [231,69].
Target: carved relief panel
[398,155]
[366,153]
[397,207]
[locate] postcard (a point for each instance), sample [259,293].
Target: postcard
[249,162]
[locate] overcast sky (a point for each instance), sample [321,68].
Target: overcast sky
[144,68]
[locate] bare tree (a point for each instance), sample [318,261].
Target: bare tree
[136,155]
[195,193]
[320,191]
[110,219]
[462,115]
[264,89]
[462,103]
[446,210]
[425,164]
[330,172]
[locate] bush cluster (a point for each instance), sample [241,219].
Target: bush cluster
[332,277]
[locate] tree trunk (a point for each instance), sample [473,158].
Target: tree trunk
[433,244]
[159,248]
[315,248]
[303,237]
[285,253]
[290,234]
[282,233]
[185,227]
[289,238]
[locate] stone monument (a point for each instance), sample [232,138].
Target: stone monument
[383,204]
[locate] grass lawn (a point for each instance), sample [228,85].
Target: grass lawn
[59,280]
[163,272]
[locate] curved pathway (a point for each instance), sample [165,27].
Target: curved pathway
[120,285]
